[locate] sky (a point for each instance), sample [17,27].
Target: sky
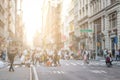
[32,17]
[65,7]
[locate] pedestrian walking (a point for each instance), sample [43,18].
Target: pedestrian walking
[105,52]
[86,56]
[117,55]
[37,57]
[33,57]
[11,56]
[55,58]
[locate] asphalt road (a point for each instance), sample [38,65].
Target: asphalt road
[76,70]
[20,73]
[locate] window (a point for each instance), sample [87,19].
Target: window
[83,11]
[86,9]
[113,19]
[80,12]
[113,1]
[1,10]
[1,24]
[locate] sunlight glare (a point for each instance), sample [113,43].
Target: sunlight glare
[32,17]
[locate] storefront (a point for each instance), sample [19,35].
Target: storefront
[113,39]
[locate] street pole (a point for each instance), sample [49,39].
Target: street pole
[96,57]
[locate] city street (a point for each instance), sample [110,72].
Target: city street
[76,70]
[69,70]
[52,39]
[20,73]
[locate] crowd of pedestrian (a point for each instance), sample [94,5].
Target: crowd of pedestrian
[36,56]
[52,57]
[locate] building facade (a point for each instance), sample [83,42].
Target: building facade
[3,23]
[104,20]
[51,24]
[102,17]
[19,29]
[96,24]
[11,22]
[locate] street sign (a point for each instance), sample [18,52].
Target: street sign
[86,30]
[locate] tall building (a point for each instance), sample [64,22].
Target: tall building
[11,20]
[51,23]
[19,29]
[3,23]
[83,24]
[105,21]
[96,24]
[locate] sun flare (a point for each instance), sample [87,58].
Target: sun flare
[32,17]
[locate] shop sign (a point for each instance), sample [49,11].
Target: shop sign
[86,30]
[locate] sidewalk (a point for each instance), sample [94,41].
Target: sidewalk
[20,73]
[4,63]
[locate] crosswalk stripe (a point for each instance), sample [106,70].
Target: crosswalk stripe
[98,71]
[54,72]
[8,66]
[73,64]
[17,66]
[67,64]
[62,72]
[23,65]
[58,72]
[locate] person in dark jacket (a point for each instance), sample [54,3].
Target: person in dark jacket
[11,56]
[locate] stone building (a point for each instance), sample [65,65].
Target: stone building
[3,23]
[51,24]
[96,24]
[102,17]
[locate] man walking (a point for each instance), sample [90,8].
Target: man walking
[11,56]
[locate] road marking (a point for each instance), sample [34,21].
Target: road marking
[73,64]
[67,64]
[62,72]
[82,64]
[17,66]
[8,66]
[34,72]
[98,71]
[58,72]
[23,65]
[78,63]
[54,72]
[103,71]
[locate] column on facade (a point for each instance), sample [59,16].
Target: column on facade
[102,3]
[78,12]
[92,8]
[107,38]
[93,42]
[90,46]
[102,25]
[98,5]
[118,26]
